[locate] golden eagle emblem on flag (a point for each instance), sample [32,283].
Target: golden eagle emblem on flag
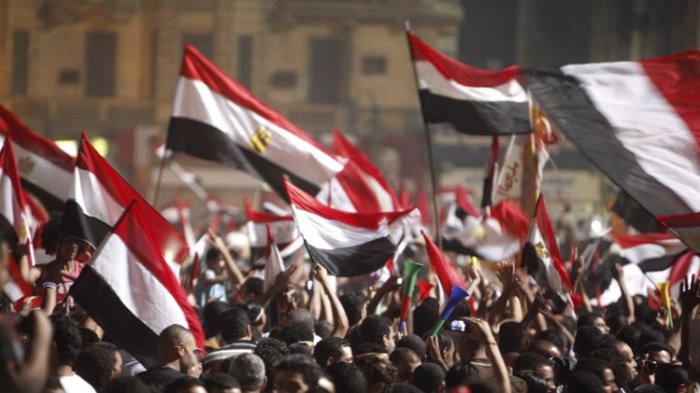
[260,139]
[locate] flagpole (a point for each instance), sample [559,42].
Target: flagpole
[160,177]
[429,141]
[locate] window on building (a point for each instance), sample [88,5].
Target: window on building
[20,62]
[203,42]
[100,64]
[373,65]
[69,76]
[245,60]
[326,70]
[283,79]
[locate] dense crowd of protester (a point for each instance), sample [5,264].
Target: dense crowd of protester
[311,332]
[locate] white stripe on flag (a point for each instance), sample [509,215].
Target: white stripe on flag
[327,234]
[94,199]
[141,292]
[195,100]
[431,79]
[646,124]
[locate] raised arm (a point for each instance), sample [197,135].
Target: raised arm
[628,303]
[481,331]
[340,319]
[235,276]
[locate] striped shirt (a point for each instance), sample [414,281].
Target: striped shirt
[228,351]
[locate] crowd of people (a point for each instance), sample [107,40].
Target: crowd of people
[311,332]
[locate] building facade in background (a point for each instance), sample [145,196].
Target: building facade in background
[109,67]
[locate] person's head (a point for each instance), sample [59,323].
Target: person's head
[588,339]
[584,382]
[406,361]
[447,347]
[289,299]
[539,365]
[424,315]
[544,348]
[512,337]
[462,373]
[66,340]
[673,378]
[354,306]
[377,329]
[414,343]
[99,363]
[221,383]
[331,350]
[534,383]
[251,289]
[185,385]
[271,351]
[296,373]
[627,356]
[378,371]
[177,349]
[658,352]
[593,319]
[69,248]
[429,377]
[210,317]
[297,331]
[602,369]
[249,371]
[235,325]
[215,260]
[618,364]
[630,335]
[554,338]
[347,378]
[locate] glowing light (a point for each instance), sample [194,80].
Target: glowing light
[71,147]
[596,226]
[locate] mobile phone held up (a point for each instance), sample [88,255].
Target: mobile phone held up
[460,326]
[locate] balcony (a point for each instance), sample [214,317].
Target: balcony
[75,115]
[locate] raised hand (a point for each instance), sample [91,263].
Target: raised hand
[479,330]
[690,294]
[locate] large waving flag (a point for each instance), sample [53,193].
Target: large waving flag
[13,220]
[265,226]
[131,292]
[217,119]
[347,244]
[46,170]
[379,188]
[639,123]
[495,237]
[541,254]
[100,196]
[468,99]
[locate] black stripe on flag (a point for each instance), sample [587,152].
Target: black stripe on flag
[660,263]
[209,143]
[573,112]
[7,231]
[476,117]
[356,260]
[78,224]
[126,330]
[633,214]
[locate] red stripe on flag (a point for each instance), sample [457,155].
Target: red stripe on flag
[678,79]
[547,232]
[306,202]
[263,218]
[457,71]
[135,230]
[196,66]
[446,273]
[11,126]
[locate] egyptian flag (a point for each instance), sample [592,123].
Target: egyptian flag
[272,260]
[128,288]
[381,196]
[541,255]
[495,237]
[14,226]
[263,226]
[99,198]
[638,122]
[445,271]
[347,244]
[46,171]
[467,99]
[217,119]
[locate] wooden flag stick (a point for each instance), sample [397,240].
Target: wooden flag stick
[160,177]
[429,142]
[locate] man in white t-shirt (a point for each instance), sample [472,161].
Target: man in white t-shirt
[67,340]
